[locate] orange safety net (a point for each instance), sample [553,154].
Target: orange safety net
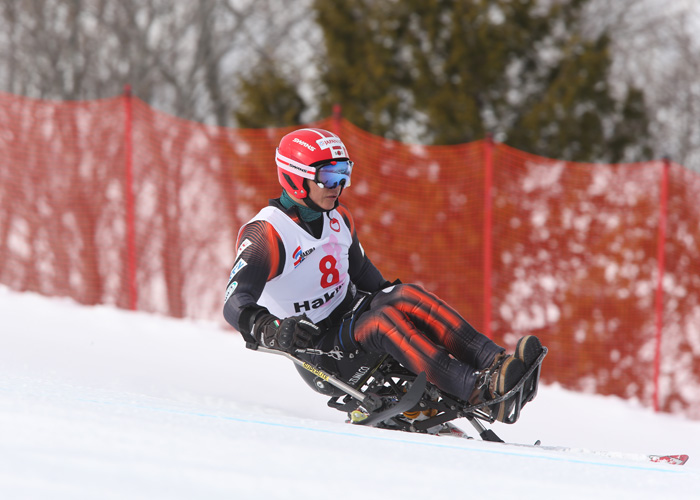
[113,202]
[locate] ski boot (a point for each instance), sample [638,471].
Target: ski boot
[528,350]
[503,375]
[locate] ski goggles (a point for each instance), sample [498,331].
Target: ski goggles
[334,174]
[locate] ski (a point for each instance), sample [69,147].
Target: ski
[670,459]
[637,457]
[406,403]
[449,429]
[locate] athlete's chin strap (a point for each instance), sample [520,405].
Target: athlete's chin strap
[313,206]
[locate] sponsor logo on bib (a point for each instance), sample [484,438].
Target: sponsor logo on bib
[299,256]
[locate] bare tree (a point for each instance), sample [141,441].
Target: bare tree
[656,47]
[182,58]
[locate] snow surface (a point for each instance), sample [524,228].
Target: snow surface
[99,403]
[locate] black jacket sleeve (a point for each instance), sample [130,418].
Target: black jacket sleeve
[260,257]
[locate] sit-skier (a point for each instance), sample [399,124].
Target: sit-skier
[300,269]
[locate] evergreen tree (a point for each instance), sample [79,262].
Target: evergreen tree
[268,100]
[458,69]
[364,70]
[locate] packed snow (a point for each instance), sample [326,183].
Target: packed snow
[97,402]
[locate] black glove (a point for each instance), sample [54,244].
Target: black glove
[287,334]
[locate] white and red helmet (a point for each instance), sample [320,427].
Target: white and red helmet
[314,154]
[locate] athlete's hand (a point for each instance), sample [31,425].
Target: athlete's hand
[287,334]
[297,331]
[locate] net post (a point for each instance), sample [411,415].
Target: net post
[129,199]
[488,232]
[660,260]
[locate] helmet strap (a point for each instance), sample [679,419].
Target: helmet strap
[313,206]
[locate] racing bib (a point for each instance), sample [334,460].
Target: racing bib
[315,277]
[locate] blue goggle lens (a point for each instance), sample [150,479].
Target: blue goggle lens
[334,174]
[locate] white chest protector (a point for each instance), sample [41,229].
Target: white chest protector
[315,277]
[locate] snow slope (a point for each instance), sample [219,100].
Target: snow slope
[98,403]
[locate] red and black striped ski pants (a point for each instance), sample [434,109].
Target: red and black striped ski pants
[424,333]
